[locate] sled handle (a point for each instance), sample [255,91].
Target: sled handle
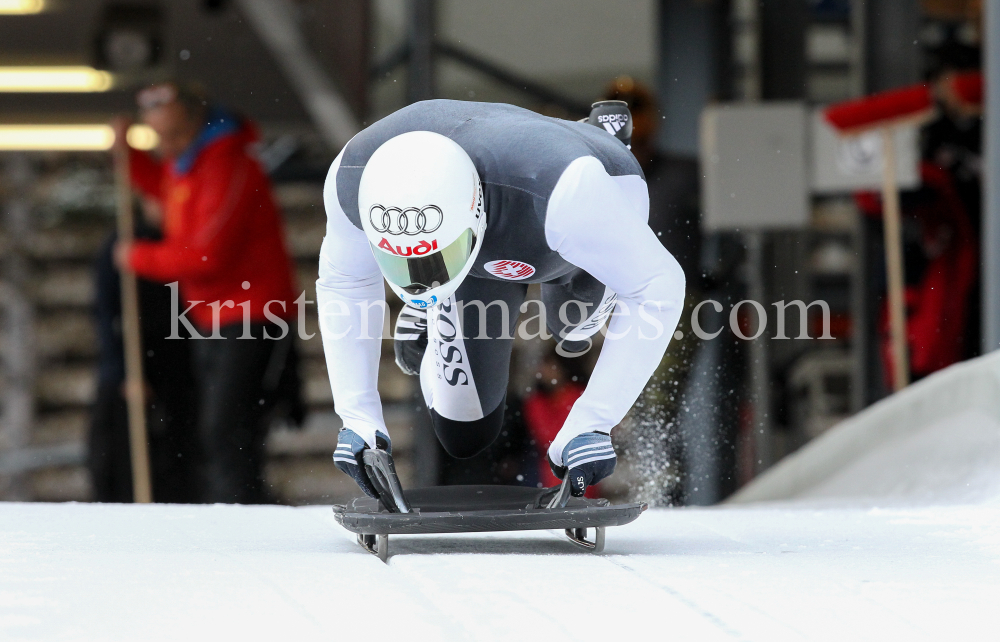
[382,473]
[561,498]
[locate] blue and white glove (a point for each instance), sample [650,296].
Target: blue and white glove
[349,454]
[587,459]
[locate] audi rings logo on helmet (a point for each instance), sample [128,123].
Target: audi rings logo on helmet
[409,221]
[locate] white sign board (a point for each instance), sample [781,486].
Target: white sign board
[852,163]
[754,166]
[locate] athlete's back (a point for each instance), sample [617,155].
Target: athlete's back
[520,156]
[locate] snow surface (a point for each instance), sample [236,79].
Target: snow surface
[901,543]
[760,572]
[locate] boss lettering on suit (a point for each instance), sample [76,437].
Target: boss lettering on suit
[445,376]
[452,357]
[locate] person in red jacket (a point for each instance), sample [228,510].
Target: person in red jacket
[938,292]
[560,384]
[223,254]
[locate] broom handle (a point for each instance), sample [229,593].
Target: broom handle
[894,262]
[142,492]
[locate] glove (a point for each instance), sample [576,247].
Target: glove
[587,459]
[349,454]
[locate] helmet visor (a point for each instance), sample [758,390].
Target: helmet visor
[417,274]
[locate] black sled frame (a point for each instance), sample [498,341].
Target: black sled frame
[472,509]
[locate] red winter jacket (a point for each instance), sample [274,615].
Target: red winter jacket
[938,307]
[221,230]
[544,415]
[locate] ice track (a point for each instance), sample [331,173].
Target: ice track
[767,572]
[885,528]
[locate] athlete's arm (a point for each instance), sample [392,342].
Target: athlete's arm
[351,301]
[599,223]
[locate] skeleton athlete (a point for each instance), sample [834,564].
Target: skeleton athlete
[460,206]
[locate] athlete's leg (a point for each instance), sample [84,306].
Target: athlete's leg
[576,306]
[464,371]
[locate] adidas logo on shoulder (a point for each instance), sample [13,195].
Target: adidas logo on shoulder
[613,122]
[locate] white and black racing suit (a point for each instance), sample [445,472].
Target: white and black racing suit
[566,207]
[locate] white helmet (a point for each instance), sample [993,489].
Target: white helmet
[421,206]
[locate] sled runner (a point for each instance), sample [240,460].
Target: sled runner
[472,509]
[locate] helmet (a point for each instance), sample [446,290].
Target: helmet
[421,206]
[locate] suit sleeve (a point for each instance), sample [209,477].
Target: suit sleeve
[599,224]
[351,301]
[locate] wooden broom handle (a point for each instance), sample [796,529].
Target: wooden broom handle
[142,488]
[894,262]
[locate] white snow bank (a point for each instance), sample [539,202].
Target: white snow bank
[954,461]
[247,573]
[936,441]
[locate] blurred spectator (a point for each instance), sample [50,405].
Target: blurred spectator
[941,260]
[170,422]
[223,245]
[953,144]
[941,227]
[560,384]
